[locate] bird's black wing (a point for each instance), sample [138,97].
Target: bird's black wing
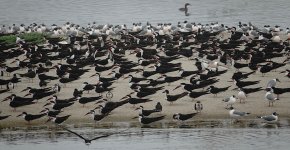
[75,134]
[107,135]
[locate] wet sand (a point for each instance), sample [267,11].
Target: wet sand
[214,107]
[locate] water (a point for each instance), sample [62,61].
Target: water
[229,12]
[209,136]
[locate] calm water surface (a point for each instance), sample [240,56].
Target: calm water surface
[209,137]
[229,12]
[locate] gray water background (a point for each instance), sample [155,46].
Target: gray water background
[228,12]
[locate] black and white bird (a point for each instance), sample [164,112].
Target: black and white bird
[198,106]
[30,117]
[145,112]
[273,118]
[158,107]
[86,140]
[237,114]
[183,117]
[148,120]
[58,120]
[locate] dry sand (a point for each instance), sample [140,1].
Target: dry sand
[214,107]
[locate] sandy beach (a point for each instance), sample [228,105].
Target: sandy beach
[214,107]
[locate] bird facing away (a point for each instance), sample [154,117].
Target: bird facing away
[198,107]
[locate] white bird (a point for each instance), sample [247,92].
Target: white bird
[273,118]
[242,96]
[270,97]
[272,83]
[230,100]
[237,114]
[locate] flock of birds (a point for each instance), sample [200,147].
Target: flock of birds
[148,57]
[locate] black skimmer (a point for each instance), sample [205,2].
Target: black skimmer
[148,120]
[42,76]
[238,66]
[145,112]
[58,120]
[9,70]
[141,94]
[50,113]
[88,87]
[29,117]
[147,73]
[134,101]
[250,90]
[103,79]
[58,106]
[183,117]
[242,84]
[149,89]
[110,106]
[239,75]
[16,101]
[96,117]
[215,90]
[31,74]
[38,96]
[183,73]
[86,140]
[169,79]
[279,91]
[135,79]
[194,94]
[36,90]
[198,106]
[57,100]
[172,98]
[273,118]
[84,100]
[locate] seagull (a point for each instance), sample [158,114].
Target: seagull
[230,100]
[272,83]
[237,114]
[270,97]
[273,118]
[242,96]
[88,141]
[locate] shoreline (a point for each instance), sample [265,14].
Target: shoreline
[214,107]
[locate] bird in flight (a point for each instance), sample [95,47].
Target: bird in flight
[88,141]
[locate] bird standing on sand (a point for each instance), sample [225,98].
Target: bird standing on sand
[198,107]
[237,114]
[30,117]
[183,117]
[230,100]
[270,97]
